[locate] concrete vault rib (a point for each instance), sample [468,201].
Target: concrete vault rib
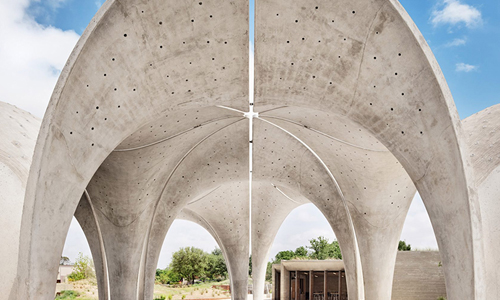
[102,247]
[323,134]
[173,136]
[320,161]
[285,195]
[151,223]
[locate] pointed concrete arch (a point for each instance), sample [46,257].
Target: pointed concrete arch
[483,138]
[367,61]
[136,62]
[17,142]
[361,184]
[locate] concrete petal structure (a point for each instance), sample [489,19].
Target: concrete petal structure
[147,122]
[483,139]
[18,133]
[367,62]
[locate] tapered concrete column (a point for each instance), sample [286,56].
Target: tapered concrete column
[270,207]
[86,216]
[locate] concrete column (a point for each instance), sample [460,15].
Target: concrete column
[85,215]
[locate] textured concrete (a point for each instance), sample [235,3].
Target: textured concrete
[483,138]
[156,62]
[365,60]
[418,275]
[18,134]
[354,114]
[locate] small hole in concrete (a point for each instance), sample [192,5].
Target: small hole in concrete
[125,35]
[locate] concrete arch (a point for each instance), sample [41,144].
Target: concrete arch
[366,60]
[364,190]
[97,104]
[351,78]
[17,142]
[483,137]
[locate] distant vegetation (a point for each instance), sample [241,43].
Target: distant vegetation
[82,269]
[190,263]
[403,246]
[319,248]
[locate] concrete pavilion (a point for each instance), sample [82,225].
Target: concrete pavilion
[149,122]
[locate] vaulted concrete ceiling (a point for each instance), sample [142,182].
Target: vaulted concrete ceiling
[148,116]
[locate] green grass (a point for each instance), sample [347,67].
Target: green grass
[67,295]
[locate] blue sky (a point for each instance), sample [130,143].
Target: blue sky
[37,36]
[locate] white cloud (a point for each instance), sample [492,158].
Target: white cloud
[31,57]
[457,42]
[453,12]
[463,67]
[98,4]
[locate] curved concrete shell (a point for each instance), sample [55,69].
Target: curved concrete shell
[483,138]
[18,133]
[367,61]
[147,120]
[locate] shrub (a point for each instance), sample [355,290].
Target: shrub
[170,297]
[160,298]
[67,295]
[83,268]
[441,298]
[183,296]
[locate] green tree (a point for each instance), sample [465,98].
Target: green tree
[322,249]
[284,255]
[189,262]
[403,246]
[82,269]
[301,252]
[216,265]
[269,270]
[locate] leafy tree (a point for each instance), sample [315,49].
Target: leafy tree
[284,255]
[269,270]
[167,276]
[216,265]
[322,249]
[403,246]
[82,269]
[189,262]
[301,252]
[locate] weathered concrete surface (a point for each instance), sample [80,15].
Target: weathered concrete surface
[347,169]
[418,275]
[366,60]
[483,139]
[18,133]
[85,214]
[353,108]
[224,213]
[137,62]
